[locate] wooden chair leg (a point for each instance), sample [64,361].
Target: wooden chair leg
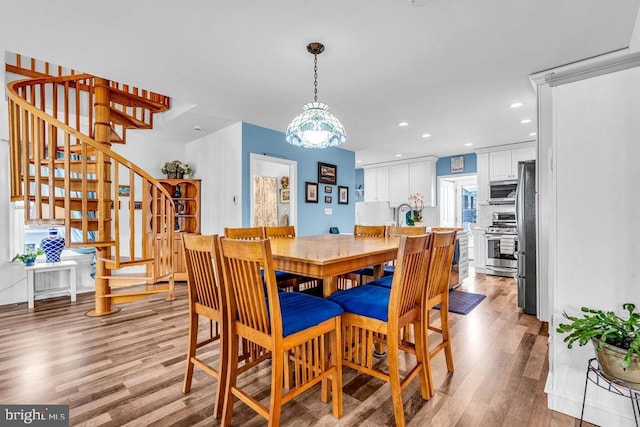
[232,376]
[191,352]
[427,360]
[421,356]
[223,368]
[446,337]
[335,339]
[394,381]
[277,378]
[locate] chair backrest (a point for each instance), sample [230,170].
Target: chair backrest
[368,230]
[286,231]
[246,292]
[245,233]
[405,231]
[204,272]
[410,275]
[440,267]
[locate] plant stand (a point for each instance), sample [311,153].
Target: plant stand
[613,385]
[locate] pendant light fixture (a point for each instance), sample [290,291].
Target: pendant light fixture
[315,127]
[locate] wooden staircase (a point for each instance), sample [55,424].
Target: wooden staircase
[61,127]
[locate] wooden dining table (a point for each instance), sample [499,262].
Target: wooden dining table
[327,256]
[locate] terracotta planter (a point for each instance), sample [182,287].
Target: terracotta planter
[610,357]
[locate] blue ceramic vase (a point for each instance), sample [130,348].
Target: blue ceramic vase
[52,245]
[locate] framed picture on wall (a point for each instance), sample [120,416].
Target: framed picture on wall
[311,192]
[327,199]
[343,195]
[327,173]
[328,189]
[284,195]
[457,164]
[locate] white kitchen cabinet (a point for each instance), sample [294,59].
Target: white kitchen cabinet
[483,178]
[480,250]
[395,181]
[503,164]
[376,184]
[422,179]
[500,165]
[398,184]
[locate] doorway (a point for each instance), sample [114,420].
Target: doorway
[277,177]
[458,200]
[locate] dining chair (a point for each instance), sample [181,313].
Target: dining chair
[372,312]
[285,280]
[294,327]
[437,292]
[355,278]
[202,260]
[305,284]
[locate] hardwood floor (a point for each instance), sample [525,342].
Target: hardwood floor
[127,368]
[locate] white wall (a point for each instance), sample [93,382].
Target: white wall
[634,44]
[594,232]
[216,159]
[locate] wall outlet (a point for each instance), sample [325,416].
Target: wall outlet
[328,211]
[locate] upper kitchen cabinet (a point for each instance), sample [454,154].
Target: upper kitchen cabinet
[395,181]
[422,179]
[398,184]
[503,164]
[376,184]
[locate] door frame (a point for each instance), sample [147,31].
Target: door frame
[254,161]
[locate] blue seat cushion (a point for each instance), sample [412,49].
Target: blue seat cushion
[384,282]
[301,311]
[366,300]
[368,271]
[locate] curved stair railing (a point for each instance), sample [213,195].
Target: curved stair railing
[62,167]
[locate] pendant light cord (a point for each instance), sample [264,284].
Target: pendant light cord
[315,78]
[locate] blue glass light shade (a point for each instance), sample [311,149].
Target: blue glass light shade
[315,127]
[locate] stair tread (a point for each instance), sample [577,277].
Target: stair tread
[126,120]
[131,100]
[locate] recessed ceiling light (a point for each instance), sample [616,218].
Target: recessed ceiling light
[426,135]
[398,155]
[532,134]
[359,161]
[525,121]
[516,105]
[198,128]
[468,144]
[403,124]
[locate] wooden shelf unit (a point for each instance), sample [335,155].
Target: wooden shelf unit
[186,220]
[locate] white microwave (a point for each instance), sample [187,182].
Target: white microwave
[502,192]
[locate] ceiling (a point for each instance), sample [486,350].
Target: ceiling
[450,68]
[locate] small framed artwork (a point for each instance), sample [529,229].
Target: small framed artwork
[284,195]
[343,195]
[327,173]
[137,205]
[457,164]
[311,192]
[328,189]
[327,199]
[124,190]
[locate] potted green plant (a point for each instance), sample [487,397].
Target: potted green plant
[616,340]
[29,257]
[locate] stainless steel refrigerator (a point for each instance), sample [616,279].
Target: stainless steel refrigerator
[526,223]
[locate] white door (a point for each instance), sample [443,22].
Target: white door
[447,203]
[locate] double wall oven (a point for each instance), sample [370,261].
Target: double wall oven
[502,245]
